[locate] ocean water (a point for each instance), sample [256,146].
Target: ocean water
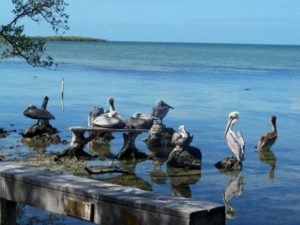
[204,83]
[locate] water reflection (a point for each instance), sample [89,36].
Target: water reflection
[268,157]
[38,146]
[158,157]
[234,188]
[131,179]
[230,172]
[180,179]
[103,150]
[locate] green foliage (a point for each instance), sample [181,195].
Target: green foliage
[13,41]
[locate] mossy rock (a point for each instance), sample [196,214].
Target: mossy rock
[160,136]
[229,163]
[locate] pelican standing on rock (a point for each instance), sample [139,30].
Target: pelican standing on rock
[94,113]
[267,140]
[235,141]
[110,119]
[160,110]
[182,137]
[34,112]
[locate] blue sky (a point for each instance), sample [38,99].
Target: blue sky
[204,21]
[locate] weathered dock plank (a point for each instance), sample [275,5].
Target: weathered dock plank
[99,202]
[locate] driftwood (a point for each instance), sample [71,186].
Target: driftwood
[128,151]
[76,147]
[106,170]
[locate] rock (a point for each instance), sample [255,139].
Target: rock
[43,135]
[3,133]
[229,163]
[188,157]
[160,136]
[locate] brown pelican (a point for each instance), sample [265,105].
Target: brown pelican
[235,141]
[36,113]
[267,140]
[110,119]
[139,121]
[268,157]
[182,137]
[160,110]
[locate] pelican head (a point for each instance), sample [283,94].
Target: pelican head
[232,118]
[273,119]
[182,131]
[162,103]
[111,102]
[31,107]
[137,115]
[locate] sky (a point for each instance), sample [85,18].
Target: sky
[196,21]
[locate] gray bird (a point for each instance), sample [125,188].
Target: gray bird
[110,119]
[182,137]
[268,139]
[160,110]
[94,113]
[235,141]
[139,121]
[36,113]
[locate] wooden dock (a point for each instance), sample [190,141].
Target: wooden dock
[97,201]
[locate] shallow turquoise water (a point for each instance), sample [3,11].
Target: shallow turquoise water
[203,83]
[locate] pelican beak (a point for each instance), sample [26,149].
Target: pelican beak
[169,106]
[227,126]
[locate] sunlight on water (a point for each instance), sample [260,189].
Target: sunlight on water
[203,83]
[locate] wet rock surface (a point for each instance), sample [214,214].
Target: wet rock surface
[229,163]
[185,157]
[3,133]
[160,136]
[41,135]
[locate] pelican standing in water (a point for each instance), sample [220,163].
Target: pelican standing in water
[110,119]
[235,141]
[267,140]
[160,110]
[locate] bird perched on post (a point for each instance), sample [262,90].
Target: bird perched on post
[110,119]
[94,113]
[160,110]
[268,139]
[235,141]
[139,121]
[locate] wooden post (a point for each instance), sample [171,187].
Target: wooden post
[8,212]
[76,146]
[129,150]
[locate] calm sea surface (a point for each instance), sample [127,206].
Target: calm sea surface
[203,83]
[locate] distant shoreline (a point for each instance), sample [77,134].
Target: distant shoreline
[66,38]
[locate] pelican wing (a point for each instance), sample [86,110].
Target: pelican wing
[39,114]
[234,145]
[267,140]
[241,141]
[107,121]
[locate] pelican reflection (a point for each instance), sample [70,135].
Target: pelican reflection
[268,157]
[233,188]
